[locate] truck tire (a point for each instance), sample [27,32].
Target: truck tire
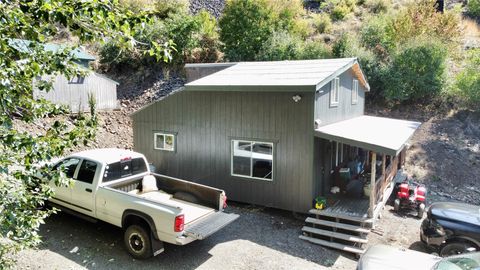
[137,242]
[453,248]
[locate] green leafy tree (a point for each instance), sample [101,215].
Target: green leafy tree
[244,26]
[417,71]
[24,65]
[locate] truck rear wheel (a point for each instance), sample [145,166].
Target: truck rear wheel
[138,243]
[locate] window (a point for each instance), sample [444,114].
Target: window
[252,159]
[355,92]
[124,168]
[87,171]
[77,80]
[164,141]
[334,93]
[69,166]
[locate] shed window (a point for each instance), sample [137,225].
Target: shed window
[334,93]
[164,141]
[77,80]
[355,92]
[252,159]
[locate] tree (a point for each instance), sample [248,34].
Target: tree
[23,185]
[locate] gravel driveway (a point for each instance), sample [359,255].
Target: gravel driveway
[259,239]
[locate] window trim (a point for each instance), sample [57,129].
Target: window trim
[251,165]
[335,92]
[165,134]
[355,92]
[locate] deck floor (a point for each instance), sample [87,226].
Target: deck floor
[354,207]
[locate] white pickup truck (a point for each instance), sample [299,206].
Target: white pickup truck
[116,186]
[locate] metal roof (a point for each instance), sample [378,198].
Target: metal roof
[301,75]
[22,45]
[378,134]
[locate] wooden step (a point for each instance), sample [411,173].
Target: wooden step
[342,236]
[337,225]
[341,216]
[321,242]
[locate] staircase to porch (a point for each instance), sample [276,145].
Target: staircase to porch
[343,226]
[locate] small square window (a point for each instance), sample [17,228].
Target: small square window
[77,80]
[334,93]
[355,92]
[164,141]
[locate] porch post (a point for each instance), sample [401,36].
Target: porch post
[372,185]
[384,160]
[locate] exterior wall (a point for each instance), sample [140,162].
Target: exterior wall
[206,122]
[344,110]
[197,71]
[75,95]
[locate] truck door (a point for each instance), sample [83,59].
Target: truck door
[83,188]
[63,193]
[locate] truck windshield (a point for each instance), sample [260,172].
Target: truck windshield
[124,168]
[467,261]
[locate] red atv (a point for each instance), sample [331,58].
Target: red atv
[411,196]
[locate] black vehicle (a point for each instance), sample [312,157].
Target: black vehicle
[452,228]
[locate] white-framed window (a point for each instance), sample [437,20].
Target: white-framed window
[354,92]
[164,141]
[334,93]
[252,159]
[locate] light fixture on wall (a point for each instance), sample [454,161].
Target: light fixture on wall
[297,98]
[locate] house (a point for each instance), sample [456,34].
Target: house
[74,93]
[269,133]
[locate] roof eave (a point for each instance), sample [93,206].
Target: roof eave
[251,88]
[340,71]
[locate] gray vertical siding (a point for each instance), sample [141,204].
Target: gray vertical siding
[345,109]
[205,124]
[75,96]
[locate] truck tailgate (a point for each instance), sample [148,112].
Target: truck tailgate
[204,227]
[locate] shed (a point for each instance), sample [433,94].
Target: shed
[266,132]
[74,93]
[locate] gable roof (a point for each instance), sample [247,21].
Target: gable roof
[22,45]
[301,75]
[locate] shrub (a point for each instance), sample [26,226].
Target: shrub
[421,19]
[244,26]
[377,31]
[417,71]
[208,45]
[338,9]
[473,7]
[314,50]
[165,8]
[280,46]
[322,23]
[378,6]
[467,84]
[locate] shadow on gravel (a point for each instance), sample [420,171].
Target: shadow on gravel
[270,233]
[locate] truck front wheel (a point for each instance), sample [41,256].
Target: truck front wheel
[138,243]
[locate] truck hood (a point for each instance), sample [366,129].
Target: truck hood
[456,211]
[382,257]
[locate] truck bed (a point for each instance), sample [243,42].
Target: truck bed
[192,211]
[208,198]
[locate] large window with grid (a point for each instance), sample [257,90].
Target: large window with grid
[252,159]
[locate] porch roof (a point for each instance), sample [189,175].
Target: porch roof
[378,134]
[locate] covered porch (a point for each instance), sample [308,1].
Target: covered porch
[359,160]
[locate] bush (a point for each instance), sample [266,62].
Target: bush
[467,84]
[421,19]
[207,47]
[280,46]
[244,26]
[473,7]
[417,71]
[378,6]
[322,23]
[338,9]
[314,50]
[377,31]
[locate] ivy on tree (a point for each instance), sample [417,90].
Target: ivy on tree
[24,177]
